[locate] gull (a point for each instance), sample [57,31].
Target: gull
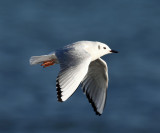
[80,63]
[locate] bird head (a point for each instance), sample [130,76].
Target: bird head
[104,49]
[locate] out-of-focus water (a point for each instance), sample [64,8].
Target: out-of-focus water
[28,102]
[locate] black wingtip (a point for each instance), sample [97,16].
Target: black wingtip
[93,104]
[59,92]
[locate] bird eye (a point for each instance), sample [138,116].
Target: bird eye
[104,47]
[99,47]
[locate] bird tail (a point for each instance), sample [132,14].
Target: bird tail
[40,59]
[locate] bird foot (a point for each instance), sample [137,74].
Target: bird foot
[48,63]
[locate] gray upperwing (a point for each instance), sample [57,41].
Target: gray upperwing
[95,84]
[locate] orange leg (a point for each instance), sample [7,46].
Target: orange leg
[48,63]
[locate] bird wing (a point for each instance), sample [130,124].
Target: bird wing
[95,84]
[73,68]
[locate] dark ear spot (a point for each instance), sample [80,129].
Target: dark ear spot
[104,47]
[99,47]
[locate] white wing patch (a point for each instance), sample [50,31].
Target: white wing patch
[95,84]
[74,67]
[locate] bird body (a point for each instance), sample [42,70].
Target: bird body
[80,63]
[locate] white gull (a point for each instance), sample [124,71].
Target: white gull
[80,63]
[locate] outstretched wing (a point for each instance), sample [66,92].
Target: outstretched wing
[95,84]
[74,66]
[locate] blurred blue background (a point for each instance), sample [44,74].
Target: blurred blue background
[28,101]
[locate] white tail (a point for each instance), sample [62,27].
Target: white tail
[40,59]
